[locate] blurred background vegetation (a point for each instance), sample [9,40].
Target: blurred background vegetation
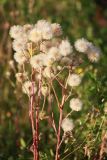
[78,18]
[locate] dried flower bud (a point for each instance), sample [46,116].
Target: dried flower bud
[21,76]
[56,28]
[11,64]
[44,90]
[29,87]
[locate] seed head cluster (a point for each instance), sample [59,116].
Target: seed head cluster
[41,49]
[93,53]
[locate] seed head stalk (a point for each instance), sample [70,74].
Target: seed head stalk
[35,119]
[57,156]
[61,105]
[36,139]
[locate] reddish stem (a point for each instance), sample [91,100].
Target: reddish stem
[57,156]
[35,131]
[36,136]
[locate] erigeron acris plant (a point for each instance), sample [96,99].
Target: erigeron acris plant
[43,59]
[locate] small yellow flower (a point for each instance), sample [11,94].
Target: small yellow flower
[79,70]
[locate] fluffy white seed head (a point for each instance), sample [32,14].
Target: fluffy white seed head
[20,45]
[54,53]
[65,48]
[76,104]
[37,61]
[47,73]
[74,80]
[35,35]
[21,57]
[49,60]
[82,45]
[16,31]
[56,29]
[52,56]
[94,54]
[27,87]
[67,125]
[45,28]
[45,45]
